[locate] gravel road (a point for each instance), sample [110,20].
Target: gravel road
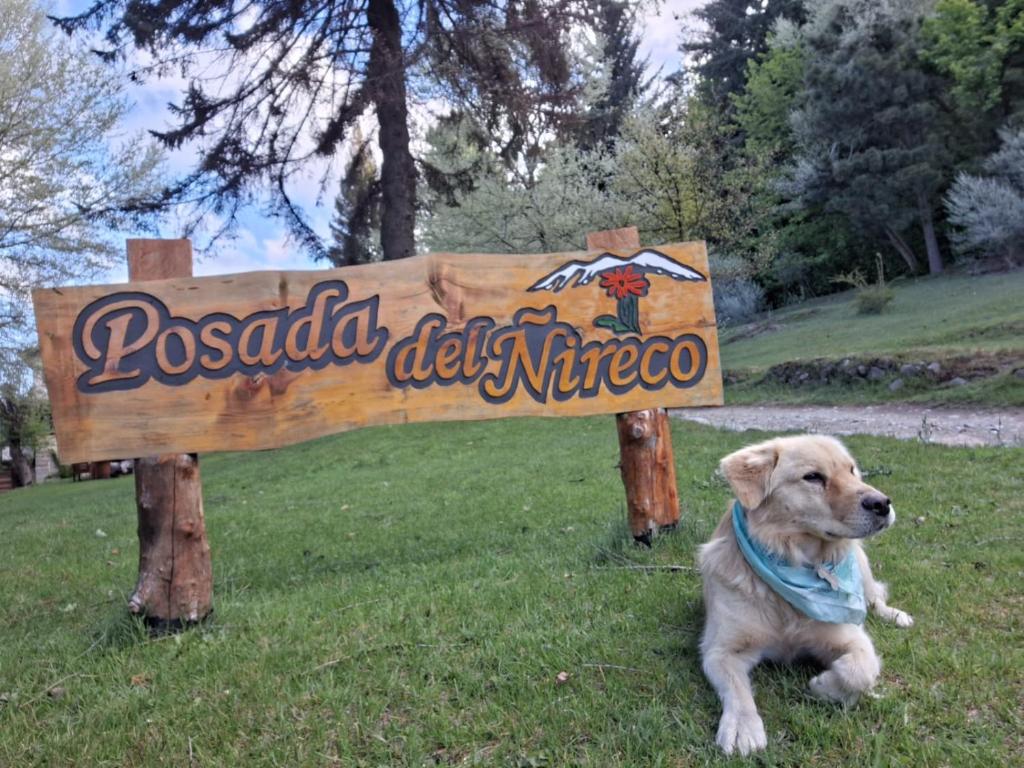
[949,426]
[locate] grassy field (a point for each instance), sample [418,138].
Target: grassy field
[930,319]
[407,596]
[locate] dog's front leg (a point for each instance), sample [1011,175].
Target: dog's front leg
[877,594]
[740,727]
[852,673]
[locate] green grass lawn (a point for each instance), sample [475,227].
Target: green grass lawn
[407,596]
[930,319]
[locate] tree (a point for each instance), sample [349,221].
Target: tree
[616,78]
[679,174]
[482,196]
[774,81]
[275,86]
[988,210]
[24,413]
[64,176]
[355,228]
[500,212]
[870,125]
[737,32]
[666,174]
[980,45]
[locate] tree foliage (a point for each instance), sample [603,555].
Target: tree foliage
[667,173]
[980,45]
[615,78]
[65,176]
[24,412]
[774,80]
[988,210]
[737,32]
[275,87]
[873,140]
[502,213]
[355,226]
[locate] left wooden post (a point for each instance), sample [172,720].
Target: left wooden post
[175,586]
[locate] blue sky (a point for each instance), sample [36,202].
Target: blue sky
[261,242]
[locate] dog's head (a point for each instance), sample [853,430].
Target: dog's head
[808,484]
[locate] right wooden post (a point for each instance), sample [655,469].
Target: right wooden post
[645,440]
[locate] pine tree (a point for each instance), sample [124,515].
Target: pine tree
[355,227]
[870,126]
[737,32]
[619,73]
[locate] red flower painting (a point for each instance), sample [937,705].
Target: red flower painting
[623,281]
[626,280]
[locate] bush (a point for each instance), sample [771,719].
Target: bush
[988,211]
[872,299]
[738,298]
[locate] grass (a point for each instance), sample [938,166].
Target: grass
[407,596]
[930,319]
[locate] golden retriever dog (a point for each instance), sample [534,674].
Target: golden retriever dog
[785,577]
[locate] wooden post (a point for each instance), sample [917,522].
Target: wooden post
[645,441]
[99,470]
[175,586]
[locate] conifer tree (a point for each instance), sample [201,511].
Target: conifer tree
[355,226]
[737,32]
[870,125]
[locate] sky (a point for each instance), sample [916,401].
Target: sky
[261,242]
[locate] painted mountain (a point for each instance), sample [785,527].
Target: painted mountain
[577,273]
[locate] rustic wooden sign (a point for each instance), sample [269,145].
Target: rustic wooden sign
[266,359]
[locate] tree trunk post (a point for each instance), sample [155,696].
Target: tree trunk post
[175,586]
[645,440]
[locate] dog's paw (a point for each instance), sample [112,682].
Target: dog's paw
[828,687]
[901,619]
[741,732]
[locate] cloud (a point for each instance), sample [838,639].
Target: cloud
[662,30]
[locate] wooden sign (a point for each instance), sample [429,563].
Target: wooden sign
[266,359]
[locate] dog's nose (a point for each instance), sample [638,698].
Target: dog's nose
[877,503]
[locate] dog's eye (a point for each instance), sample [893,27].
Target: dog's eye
[815,477]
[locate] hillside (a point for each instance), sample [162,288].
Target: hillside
[970,330]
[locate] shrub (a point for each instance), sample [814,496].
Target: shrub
[988,211]
[872,298]
[738,298]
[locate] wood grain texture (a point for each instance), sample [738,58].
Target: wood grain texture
[648,472]
[624,238]
[246,412]
[646,459]
[175,583]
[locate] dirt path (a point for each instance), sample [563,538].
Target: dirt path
[950,426]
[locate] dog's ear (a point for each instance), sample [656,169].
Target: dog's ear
[749,472]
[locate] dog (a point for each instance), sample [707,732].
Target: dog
[781,576]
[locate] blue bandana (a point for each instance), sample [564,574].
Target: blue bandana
[833,593]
